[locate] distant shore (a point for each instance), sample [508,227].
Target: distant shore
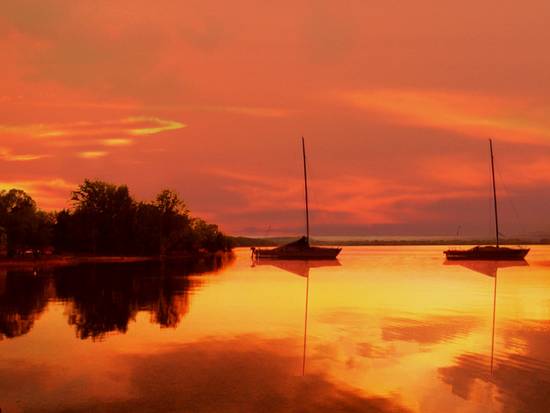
[276,241]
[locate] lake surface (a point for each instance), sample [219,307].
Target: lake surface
[386,329]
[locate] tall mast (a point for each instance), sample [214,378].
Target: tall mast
[494,189]
[305,186]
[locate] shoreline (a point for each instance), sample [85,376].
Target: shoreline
[71,260]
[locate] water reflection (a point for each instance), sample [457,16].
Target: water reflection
[23,297]
[390,329]
[298,267]
[519,374]
[302,269]
[101,298]
[241,374]
[489,268]
[429,330]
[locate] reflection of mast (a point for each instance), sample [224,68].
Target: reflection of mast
[494,315]
[305,327]
[489,268]
[301,268]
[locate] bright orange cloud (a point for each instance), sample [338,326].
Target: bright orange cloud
[8,155]
[468,114]
[90,135]
[132,126]
[92,154]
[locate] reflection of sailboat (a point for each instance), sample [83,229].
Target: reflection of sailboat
[301,268]
[490,268]
[298,267]
[489,252]
[300,249]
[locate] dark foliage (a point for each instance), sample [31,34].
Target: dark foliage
[105,219]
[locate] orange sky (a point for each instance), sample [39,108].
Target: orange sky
[396,101]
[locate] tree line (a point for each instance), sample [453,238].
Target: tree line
[104,219]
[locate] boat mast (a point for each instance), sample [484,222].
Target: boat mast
[494,189]
[305,186]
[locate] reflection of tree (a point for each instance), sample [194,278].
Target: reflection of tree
[23,297]
[105,298]
[101,298]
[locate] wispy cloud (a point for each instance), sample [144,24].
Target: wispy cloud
[132,126]
[92,154]
[347,198]
[89,136]
[244,110]
[116,142]
[252,111]
[8,155]
[150,126]
[468,114]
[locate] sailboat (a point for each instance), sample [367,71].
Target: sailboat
[489,252]
[300,249]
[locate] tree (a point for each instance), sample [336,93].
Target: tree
[208,236]
[103,217]
[174,221]
[25,226]
[168,202]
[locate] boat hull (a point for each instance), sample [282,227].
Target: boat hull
[309,253]
[488,253]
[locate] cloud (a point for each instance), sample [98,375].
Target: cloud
[131,126]
[151,126]
[466,113]
[116,142]
[92,154]
[88,135]
[48,193]
[262,112]
[8,155]
[346,199]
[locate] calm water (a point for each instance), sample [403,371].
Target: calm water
[388,329]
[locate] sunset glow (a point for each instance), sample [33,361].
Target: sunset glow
[211,98]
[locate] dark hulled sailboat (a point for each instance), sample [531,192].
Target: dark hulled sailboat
[300,249]
[489,252]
